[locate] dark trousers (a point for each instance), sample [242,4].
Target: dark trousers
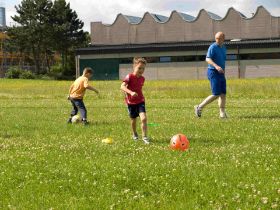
[78,104]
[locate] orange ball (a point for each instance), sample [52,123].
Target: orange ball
[179,142]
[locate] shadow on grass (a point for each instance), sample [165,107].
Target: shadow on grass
[201,141]
[91,124]
[206,141]
[97,123]
[6,135]
[268,117]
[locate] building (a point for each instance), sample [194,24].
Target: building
[175,46]
[2,15]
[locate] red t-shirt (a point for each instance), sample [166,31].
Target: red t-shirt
[134,84]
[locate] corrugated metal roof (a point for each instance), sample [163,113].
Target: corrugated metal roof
[214,16]
[241,14]
[133,19]
[159,18]
[186,17]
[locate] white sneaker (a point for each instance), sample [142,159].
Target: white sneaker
[223,115]
[135,137]
[197,110]
[146,140]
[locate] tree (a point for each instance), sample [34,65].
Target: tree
[46,27]
[67,31]
[34,29]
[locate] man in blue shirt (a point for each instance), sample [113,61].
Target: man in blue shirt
[216,59]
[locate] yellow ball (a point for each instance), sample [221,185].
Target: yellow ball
[107,141]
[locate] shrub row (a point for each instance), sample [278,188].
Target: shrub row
[18,73]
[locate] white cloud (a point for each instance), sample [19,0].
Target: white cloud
[107,10]
[275,11]
[9,20]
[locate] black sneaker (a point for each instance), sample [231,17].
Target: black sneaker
[135,136]
[85,122]
[69,120]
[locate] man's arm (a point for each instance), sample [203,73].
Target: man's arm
[126,90]
[218,68]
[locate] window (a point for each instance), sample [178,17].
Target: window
[125,60]
[164,59]
[152,59]
[231,57]
[183,58]
[257,56]
[201,57]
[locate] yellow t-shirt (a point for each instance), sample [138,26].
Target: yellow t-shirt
[78,88]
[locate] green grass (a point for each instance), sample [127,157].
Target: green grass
[231,164]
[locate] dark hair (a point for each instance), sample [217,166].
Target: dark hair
[88,70]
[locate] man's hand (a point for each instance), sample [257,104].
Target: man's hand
[134,94]
[219,69]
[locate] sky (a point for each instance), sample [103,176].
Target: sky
[107,10]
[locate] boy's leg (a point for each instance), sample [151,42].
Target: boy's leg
[75,108]
[133,127]
[73,112]
[133,114]
[80,104]
[143,118]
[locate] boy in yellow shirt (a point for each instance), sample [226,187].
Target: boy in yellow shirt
[76,93]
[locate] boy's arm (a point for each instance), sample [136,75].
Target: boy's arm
[92,88]
[126,90]
[70,89]
[89,87]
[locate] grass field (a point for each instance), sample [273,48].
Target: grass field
[231,164]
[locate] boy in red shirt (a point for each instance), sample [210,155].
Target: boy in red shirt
[132,86]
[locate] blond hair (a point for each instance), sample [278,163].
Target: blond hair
[138,60]
[87,70]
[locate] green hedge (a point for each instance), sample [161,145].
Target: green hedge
[18,73]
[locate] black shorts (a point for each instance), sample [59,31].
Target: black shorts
[134,110]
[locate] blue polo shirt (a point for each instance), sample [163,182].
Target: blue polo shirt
[218,55]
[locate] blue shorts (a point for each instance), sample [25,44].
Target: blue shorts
[134,110]
[217,82]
